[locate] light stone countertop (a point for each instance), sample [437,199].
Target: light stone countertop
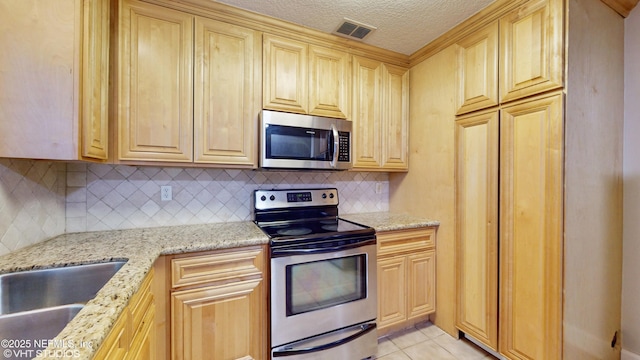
[386,221]
[141,247]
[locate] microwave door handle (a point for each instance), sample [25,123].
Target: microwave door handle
[336,144]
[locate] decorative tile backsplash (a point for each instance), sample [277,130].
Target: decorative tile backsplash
[32,202]
[42,199]
[108,197]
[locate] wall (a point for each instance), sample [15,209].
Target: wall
[32,195]
[106,197]
[428,189]
[631,265]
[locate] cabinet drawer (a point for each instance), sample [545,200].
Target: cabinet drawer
[399,241]
[229,265]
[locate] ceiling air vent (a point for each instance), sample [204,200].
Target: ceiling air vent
[354,29]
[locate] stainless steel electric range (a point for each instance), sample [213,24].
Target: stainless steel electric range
[323,276]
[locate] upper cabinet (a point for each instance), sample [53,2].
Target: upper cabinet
[531,50]
[380,116]
[54,88]
[285,75]
[155,111]
[186,95]
[477,71]
[521,54]
[305,79]
[227,93]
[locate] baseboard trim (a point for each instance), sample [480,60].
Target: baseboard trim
[628,355]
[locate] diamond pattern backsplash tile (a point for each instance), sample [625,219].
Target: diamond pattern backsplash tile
[32,202]
[109,197]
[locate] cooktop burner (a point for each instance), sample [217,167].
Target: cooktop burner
[294,231]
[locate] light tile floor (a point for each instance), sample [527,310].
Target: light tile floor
[426,341]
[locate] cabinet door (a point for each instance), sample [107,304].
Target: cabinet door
[367,113]
[95,80]
[155,108]
[477,143]
[421,284]
[220,322]
[116,345]
[143,345]
[227,93]
[477,75]
[392,304]
[329,82]
[285,75]
[531,219]
[39,67]
[531,49]
[395,118]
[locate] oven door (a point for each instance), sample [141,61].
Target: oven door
[317,291]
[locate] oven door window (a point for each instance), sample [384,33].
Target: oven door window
[325,283]
[288,142]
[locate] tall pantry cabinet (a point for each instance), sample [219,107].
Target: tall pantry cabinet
[536,137]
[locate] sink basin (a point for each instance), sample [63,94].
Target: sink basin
[31,330]
[38,289]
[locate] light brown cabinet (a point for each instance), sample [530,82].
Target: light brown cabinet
[155,97]
[187,88]
[531,231]
[406,277]
[525,138]
[54,88]
[477,160]
[380,116]
[305,79]
[531,49]
[132,337]
[526,190]
[533,176]
[227,93]
[477,72]
[526,42]
[536,249]
[215,304]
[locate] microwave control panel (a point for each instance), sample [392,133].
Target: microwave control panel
[343,146]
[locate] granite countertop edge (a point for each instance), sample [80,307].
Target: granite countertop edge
[141,247]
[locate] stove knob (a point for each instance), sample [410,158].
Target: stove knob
[324,196]
[272,197]
[331,195]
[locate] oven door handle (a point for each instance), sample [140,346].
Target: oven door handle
[367,328]
[290,252]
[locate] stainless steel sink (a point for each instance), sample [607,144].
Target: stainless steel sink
[29,331]
[38,289]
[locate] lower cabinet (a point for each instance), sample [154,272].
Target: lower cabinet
[406,277]
[132,337]
[216,305]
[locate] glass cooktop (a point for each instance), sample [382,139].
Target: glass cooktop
[313,228]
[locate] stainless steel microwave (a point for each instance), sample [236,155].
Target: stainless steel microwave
[295,141]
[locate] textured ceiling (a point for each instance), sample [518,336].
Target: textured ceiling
[402,25]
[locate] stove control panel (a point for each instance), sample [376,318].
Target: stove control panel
[292,198]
